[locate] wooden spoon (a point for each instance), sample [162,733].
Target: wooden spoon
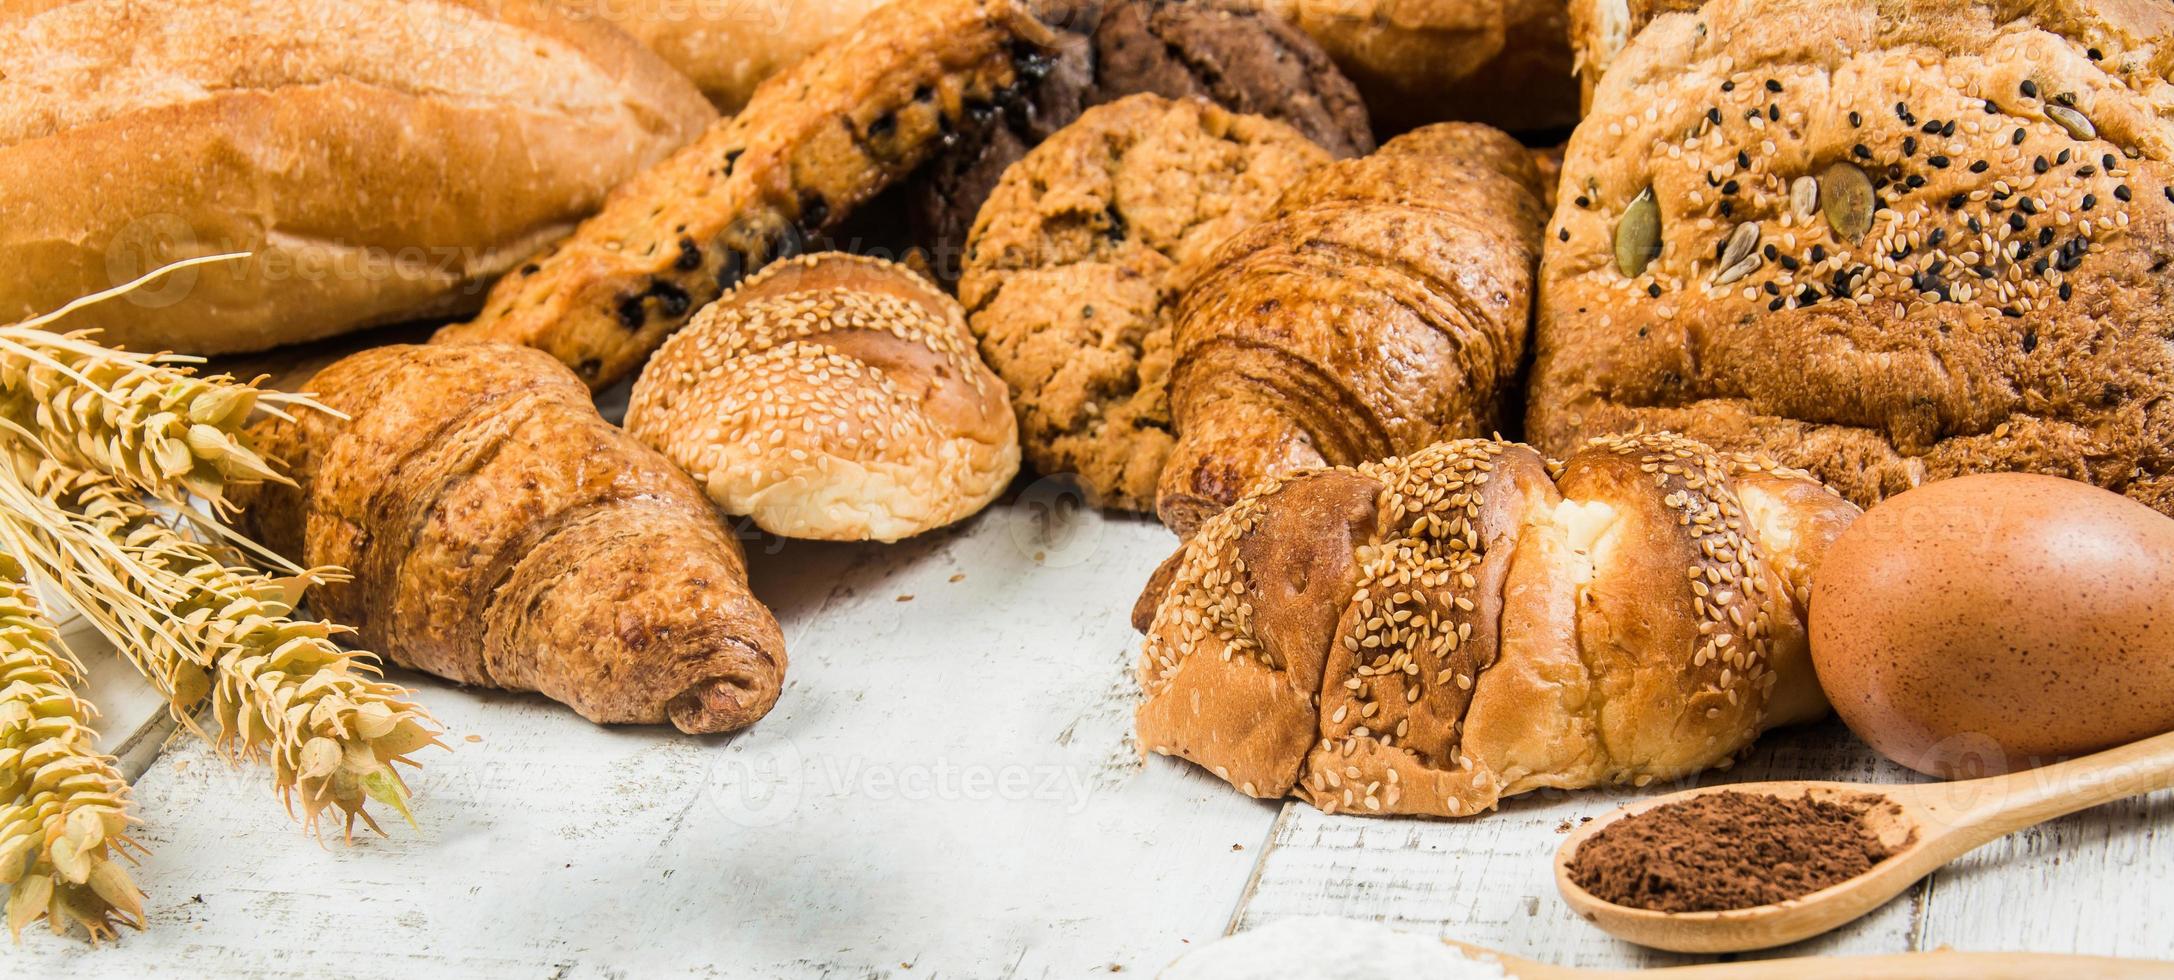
[1338,948]
[1947,819]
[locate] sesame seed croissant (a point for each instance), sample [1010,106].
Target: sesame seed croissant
[1431,633]
[502,534]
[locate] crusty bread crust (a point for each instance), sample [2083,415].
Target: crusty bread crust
[383,159]
[1431,633]
[2005,307]
[727,49]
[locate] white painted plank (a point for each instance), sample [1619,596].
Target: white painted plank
[948,788]
[1490,880]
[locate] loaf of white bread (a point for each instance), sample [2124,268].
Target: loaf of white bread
[1431,633]
[382,159]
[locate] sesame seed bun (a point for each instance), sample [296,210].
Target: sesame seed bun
[835,397]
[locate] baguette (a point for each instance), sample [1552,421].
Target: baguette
[382,160]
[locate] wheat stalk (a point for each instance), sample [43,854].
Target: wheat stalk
[194,620]
[63,808]
[145,419]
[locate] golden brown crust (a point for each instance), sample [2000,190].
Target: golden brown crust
[1433,632]
[1600,29]
[358,149]
[812,145]
[1380,307]
[832,396]
[501,533]
[1076,260]
[727,49]
[1501,62]
[2006,306]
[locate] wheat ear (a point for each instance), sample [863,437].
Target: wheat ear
[192,617]
[64,810]
[146,419]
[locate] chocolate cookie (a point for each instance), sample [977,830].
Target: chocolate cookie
[1224,51]
[1074,263]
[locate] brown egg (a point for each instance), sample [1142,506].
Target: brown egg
[1999,622]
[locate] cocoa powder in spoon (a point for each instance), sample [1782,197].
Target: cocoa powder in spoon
[1729,850]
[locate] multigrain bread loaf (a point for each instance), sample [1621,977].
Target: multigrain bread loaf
[1380,307]
[1431,633]
[728,48]
[500,533]
[1501,62]
[832,396]
[1884,242]
[382,159]
[1076,262]
[812,145]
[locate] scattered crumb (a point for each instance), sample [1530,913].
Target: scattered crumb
[1237,847]
[1563,828]
[1585,820]
[1040,556]
[475,738]
[1117,968]
[958,577]
[181,766]
[908,597]
[198,899]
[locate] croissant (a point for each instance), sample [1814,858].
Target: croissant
[832,396]
[1432,633]
[1380,307]
[502,534]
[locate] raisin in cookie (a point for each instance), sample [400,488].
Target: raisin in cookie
[1076,260]
[1886,249]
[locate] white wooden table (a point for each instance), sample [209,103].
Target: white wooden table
[948,788]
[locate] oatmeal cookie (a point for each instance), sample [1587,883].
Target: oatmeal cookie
[1887,249]
[1073,266]
[1225,51]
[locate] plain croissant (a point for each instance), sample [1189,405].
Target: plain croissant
[1381,307]
[502,534]
[1431,633]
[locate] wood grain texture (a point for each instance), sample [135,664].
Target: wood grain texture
[1490,881]
[948,788]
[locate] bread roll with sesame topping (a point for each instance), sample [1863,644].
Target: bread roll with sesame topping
[832,396]
[503,534]
[1431,633]
[1886,243]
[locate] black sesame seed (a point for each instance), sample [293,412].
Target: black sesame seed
[1772,85]
[1909,146]
[2011,312]
[2030,89]
[1770,252]
[2063,158]
[2108,160]
[1979,167]
[2094,54]
[1856,118]
[2027,206]
[1861,151]
[1731,187]
[2017,137]
[1938,235]
[2015,222]
[1653,289]
[2067,291]
[2090,201]
[1773,112]
[531,269]
[1808,295]
[1931,129]
[1956,201]
[1788,262]
[1992,107]
[2121,192]
[1771,288]
[1949,129]
[1728,86]
[2045,237]
[1562,235]
[2038,268]
[2168,191]
[1743,160]
[1902,111]
[1713,115]
[1974,225]
[1727,208]
[1775,306]
[1584,202]
[1937,160]
[1914,182]
[1819,253]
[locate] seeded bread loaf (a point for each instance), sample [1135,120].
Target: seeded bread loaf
[1380,307]
[1887,249]
[832,396]
[1075,263]
[1431,633]
[727,49]
[502,534]
[382,159]
[812,145]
